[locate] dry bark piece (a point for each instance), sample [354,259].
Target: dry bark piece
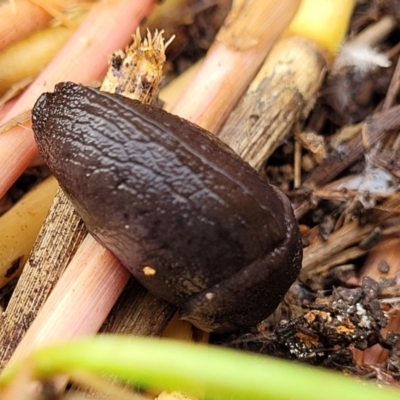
[319,252]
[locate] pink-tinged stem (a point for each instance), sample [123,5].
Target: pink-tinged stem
[77,307]
[83,59]
[20,18]
[5,108]
[17,150]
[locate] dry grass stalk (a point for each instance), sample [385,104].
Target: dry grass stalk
[342,257]
[275,100]
[28,57]
[376,32]
[19,19]
[320,252]
[141,71]
[62,9]
[394,88]
[20,226]
[285,88]
[83,59]
[49,258]
[76,307]
[138,312]
[170,93]
[232,61]
[19,120]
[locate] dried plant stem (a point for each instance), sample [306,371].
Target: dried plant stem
[362,136]
[322,253]
[284,89]
[28,57]
[394,88]
[49,257]
[18,19]
[171,93]
[138,312]
[83,59]
[78,301]
[336,258]
[19,227]
[318,252]
[276,99]
[376,32]
[232,62]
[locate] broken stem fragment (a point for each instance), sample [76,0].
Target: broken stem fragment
[284,90]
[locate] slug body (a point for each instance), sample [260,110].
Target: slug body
[193,222]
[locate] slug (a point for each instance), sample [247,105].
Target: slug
[193,222]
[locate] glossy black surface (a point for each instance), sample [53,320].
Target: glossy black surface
[191,220]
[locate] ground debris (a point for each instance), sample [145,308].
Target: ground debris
[331,329]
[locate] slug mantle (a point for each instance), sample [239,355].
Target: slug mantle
[192,221]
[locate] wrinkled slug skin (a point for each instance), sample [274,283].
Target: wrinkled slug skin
[190,219]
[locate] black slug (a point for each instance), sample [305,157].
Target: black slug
[193,222]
